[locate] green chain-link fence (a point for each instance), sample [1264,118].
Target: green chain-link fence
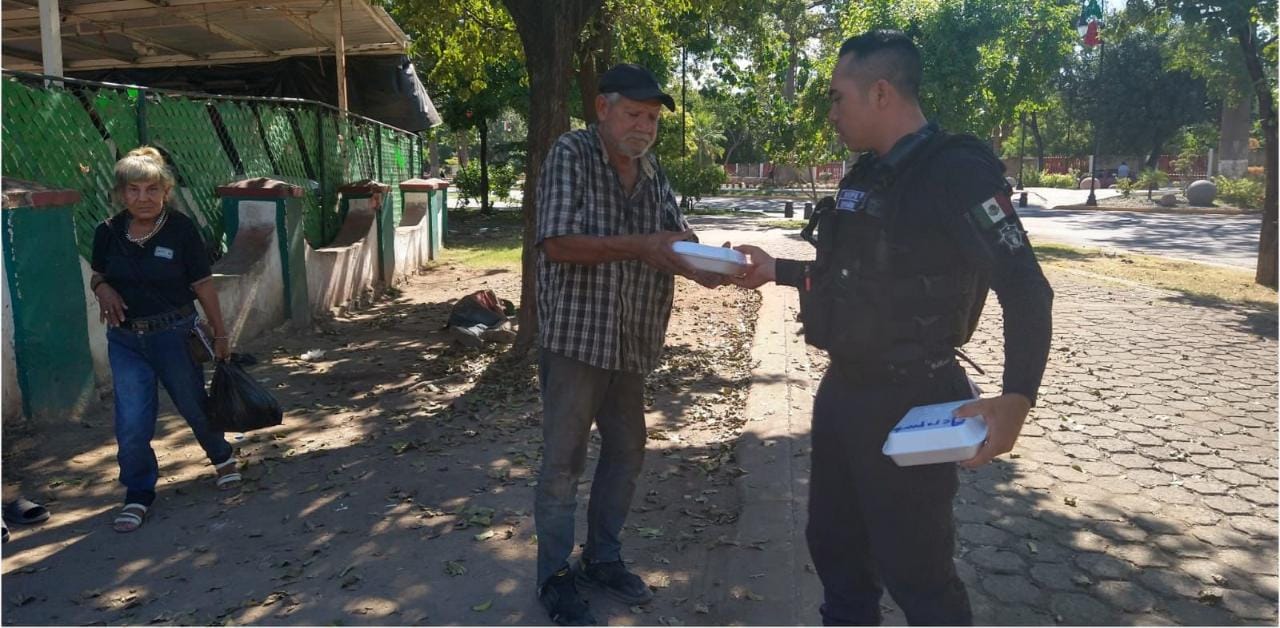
[70,135]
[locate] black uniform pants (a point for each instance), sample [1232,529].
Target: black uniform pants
[875,525]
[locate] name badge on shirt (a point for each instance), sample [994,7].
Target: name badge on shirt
[165,252]
[850,200]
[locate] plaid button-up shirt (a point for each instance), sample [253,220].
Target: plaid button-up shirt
[614,315]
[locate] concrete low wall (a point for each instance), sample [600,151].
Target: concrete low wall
[413,237]
[97,330]
[250,277]
[345,272]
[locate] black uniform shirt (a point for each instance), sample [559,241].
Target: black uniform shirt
[155,277]
[962,194]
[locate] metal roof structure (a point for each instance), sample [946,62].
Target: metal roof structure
[102,34]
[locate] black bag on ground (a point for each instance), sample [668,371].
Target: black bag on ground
[238,403]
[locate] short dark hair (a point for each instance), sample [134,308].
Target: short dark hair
[886,54]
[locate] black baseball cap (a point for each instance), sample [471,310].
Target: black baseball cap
[635,82]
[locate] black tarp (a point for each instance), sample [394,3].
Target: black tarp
[385,88]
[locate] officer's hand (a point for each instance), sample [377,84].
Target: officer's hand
[656,251]
[710,280]
[763,268]
[1004,415]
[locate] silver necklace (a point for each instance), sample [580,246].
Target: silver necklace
[154,230]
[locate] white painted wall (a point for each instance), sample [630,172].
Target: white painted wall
[10,393]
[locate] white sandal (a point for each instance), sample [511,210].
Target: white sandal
[230,479]
[131,518]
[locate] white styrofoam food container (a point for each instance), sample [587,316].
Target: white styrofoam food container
[930,434]
[712,259]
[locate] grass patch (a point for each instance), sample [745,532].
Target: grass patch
[482,240]
[785,224]
[1199,283]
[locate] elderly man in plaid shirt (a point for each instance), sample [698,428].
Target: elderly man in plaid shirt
[606,221]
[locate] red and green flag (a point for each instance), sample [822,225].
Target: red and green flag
[1090,23]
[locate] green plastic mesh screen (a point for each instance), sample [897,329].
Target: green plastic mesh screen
[49,138]
[70,136]
[183,130]
[118,112]
[241,125]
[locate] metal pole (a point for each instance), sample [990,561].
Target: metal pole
[341,53]
[1022,144]
[1092,201]
[50,38]
[684,130]
[144,135]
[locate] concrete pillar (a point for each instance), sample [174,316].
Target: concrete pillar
[376,196]
[261,202]
[426,195]
[51,357]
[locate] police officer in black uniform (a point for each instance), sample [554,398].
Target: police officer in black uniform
[921,228]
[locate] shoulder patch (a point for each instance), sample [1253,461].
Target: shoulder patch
[992,211]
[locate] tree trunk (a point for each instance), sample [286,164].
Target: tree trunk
[463,152]
[484,166]
[728,152]
[1267,242]
[433,153]
[789,82]
[594,58]
[548,30]
[1039,139]
[1153,159]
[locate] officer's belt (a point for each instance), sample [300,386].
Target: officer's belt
[893,372]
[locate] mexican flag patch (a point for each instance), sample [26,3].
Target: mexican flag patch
[992,211]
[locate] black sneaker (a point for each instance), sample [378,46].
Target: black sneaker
[560,597]
[614,579]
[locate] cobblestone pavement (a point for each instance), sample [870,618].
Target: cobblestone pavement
[1143,489]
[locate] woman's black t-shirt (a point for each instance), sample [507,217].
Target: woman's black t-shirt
[155,277]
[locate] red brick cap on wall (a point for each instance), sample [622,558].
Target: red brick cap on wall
[260,187]
[19,193]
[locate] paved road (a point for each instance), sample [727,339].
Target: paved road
[1215,239]
[1142,490]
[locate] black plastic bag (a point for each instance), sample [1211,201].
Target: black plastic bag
[238,403]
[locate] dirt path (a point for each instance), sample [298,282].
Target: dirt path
[398,491]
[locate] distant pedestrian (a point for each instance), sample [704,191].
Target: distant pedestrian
[1123,171]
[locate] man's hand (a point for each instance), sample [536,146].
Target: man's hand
[110,306]
[656,251]
[1004,415]
[763,268]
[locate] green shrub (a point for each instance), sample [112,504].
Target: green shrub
[467,180]
[1152,179]
[1054,180]
[1245,193]
[1031,178]
[693,181]
[1125,185]
[502,177]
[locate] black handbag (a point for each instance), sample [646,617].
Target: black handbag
[238,403]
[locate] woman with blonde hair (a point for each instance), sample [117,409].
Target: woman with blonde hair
[149,265]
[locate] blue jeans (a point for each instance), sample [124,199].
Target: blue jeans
[575,395]
[137,361]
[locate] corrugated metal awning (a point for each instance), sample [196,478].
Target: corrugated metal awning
[165,33]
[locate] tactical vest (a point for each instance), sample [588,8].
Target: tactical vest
[881,290]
